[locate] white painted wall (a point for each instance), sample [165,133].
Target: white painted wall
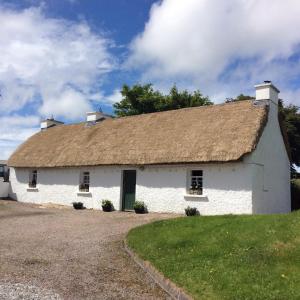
[271,166]
[163,188]
[227,189]
[61,186]
[4,188]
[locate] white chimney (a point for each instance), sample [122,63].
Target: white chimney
[49,123]
[267,91]
[96,116]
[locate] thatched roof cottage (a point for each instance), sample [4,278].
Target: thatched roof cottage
[225,158]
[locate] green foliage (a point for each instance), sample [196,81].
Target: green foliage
[191,211]
[291,118]
[295,193]
[142,99]
[240,97]
[107,205]
[226,257]
[140,207]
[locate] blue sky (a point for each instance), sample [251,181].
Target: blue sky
[65,57]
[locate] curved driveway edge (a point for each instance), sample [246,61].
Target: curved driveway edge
[168,286]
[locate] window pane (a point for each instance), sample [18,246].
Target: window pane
[197,173]
[196,182]
[84,181]
[33,178]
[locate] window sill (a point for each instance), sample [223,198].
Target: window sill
[32,189]
[84,193]
[195,197]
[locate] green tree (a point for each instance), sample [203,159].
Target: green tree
[291,117]
[240,97]
[142,99]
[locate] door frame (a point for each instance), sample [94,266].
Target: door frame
[122,188]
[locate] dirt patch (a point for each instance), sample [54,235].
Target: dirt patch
[75,254]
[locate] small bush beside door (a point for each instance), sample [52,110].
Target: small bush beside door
[140,207]
[107,205]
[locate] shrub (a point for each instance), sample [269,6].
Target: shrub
[78,205]
[295,193]
[191,211]
[140,207]
[107,205]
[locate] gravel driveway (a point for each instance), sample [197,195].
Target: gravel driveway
[61,253]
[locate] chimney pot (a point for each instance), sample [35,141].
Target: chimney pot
[95,116]
[45,124]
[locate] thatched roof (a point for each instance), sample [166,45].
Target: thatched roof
[217,133]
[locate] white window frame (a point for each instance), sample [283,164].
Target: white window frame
[84,181]
[33,179]
[193,181]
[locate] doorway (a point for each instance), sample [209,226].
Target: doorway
[129,183]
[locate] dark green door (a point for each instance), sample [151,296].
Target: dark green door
[129,181]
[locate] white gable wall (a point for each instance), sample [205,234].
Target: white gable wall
[227,187]
[271,169]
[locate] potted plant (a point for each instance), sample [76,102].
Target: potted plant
[84,187]
[107,205]
[140,207]
[78,205]
[191,211]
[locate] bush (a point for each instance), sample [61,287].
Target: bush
[140,207]
[295,194]
[107,205]
[191,211]
[78,205]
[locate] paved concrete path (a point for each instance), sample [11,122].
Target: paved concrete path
[72,254]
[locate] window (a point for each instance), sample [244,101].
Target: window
[84,185]
[1,171]
[33,179]
[196,182]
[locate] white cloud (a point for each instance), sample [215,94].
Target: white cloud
[219,45]
[52,66]
[52,60]
[14,130]
[68,102]
[116,96]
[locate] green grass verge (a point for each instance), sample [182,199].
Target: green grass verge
[226,257]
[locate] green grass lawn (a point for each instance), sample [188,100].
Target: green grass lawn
[226,257]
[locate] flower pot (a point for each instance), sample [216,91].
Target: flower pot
[107,208]
[78,205]
[139,210]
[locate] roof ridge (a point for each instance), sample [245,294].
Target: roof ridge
[168,111]
[189,108]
